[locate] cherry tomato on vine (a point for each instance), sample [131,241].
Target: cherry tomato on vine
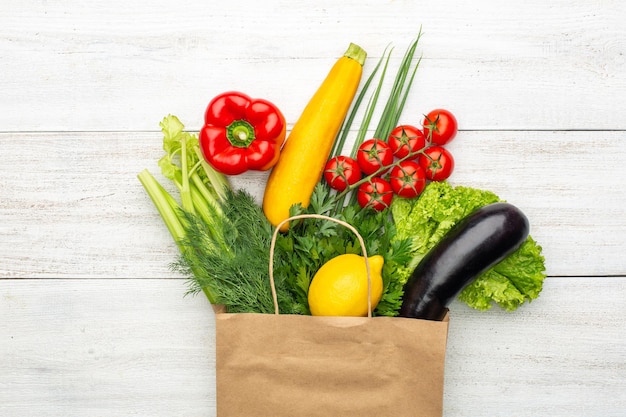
[437,162]
[341,172]
[373,154]
[405,139]
[376,194]
[440,127]
[407,179]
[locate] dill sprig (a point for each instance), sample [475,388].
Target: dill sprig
[223,235]
[239,277]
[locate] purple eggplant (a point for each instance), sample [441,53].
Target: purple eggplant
[471,247]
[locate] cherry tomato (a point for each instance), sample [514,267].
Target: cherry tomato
[405,139]
[376,194]
[341,172]
[437,163]
[373,154]
[440,127]
[407,179]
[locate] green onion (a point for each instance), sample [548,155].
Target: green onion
[394,106]
[371,106]
[399,92]
[340,140]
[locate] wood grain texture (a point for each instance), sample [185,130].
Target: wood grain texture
[120,65]
[561,355]
[138,347]
[106,348]
[94,323]
[83,213]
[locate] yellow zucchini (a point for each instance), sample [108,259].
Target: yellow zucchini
[308,146]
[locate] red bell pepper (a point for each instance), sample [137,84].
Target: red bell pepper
[241,133]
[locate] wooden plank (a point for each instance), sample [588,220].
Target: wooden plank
[106,348]
[499,66]
[105,329]
[561,355]
[76,208]
[138,347]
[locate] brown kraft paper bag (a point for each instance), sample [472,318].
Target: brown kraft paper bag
[274,365]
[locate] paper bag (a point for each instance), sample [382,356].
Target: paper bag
[275,365]
[289,365]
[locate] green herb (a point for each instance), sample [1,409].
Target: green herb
[223,235]
[371,105]
[310,243]
[342,135]
[399,91]
[379,233]
[425,220]
[200,187]
[238,276]
[186,168]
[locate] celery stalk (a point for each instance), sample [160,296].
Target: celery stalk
[184,165]
[165,204]
[168,208]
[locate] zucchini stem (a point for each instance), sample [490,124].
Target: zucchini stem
[357,53]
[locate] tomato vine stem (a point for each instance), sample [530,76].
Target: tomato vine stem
[411,155]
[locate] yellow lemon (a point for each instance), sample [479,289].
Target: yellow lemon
[339,287]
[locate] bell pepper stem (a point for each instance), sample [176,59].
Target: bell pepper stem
[240,133]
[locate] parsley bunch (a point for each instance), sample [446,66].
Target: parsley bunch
[310,243]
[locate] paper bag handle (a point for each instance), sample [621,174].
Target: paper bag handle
[332,219]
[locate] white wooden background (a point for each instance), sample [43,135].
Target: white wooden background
[93,323]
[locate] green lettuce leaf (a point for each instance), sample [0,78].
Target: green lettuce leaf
[425,220]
